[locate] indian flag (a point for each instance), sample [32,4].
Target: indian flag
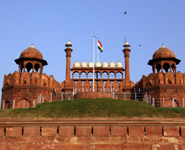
[100,47]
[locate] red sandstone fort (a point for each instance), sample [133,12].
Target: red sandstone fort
[28,86]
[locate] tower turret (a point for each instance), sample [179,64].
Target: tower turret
[68,84]
[31,59]
[164,60]
[126,52]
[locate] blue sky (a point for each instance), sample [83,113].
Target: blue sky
[49,24]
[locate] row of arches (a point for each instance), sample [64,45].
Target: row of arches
[98,75]
[166,67]
[30,67]
[22,103]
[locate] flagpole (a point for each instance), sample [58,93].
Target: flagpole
[93,60]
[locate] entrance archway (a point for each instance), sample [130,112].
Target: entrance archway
[7,104]
[170,103]
[23,103]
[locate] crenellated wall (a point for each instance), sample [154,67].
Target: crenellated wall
[23,90]
[164,88]
[27,78]
[168,78]
[93,134]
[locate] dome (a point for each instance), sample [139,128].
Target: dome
[163,52]
[105,64]
[118,64]
[126,45]
[98,64]
[68,44]
[83,64]
[111,64]
[91,64]
[76,64]
[31,52]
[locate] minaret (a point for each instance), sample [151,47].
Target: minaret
[126,52]
[68,51]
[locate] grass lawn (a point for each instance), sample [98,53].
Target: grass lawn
[93,108]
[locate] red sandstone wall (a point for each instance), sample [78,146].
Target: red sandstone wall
[93,134]
[93,95]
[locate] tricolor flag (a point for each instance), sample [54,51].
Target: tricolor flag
[100,47]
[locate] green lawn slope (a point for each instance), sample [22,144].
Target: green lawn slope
[93,108]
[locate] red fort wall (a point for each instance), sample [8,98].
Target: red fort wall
[93,134]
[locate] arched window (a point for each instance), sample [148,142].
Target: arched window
[75,75]
[90,75]
[37,67]
[83,75]
[97,75]
[24,81]
[29,67]
[7,104]
[119,75]
[166,67]
[169,81]
[104,75]
[111,75]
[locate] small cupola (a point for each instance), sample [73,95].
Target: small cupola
[83,64]
[76,64]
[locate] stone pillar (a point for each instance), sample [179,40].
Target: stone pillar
[33,103]
[19,68]
[51,97]
[175,69]
[41,70]
[3,104]
[170,68]
[126,52]
[13,104]
[162,67]
[68,51]
[33,67]
[154,68]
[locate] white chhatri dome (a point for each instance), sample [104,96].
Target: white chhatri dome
[76,64]
[83,64]
[105,64]
[68,42]
[112,64]
[126,43]
[98,64]
[118,64]
[91,64]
